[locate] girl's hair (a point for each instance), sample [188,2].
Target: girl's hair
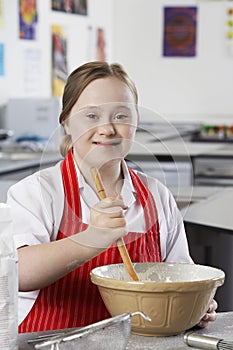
[78,81]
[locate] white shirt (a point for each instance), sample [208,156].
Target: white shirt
[37,204]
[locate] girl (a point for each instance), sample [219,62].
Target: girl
[62,230]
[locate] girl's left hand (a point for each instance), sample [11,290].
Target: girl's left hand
[209,316]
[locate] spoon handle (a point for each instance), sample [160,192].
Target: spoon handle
[120,242]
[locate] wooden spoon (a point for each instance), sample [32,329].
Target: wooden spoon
[120,242]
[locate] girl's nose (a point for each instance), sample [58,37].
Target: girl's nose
[106,129]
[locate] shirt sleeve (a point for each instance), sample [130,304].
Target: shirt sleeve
[173,240]
[177,249]
[31,201]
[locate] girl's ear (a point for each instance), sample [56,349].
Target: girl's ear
[66,127]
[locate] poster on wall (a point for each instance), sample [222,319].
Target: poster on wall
[59,60]
[27,19]
[97,44]
[32,71]
[1,59]
[179,34]
[70,6]
[229,30]
[100,45]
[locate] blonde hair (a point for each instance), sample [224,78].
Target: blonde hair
[78,81]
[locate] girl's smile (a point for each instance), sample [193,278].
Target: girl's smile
[107,144]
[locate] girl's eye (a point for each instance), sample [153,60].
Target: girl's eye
[91,116]
[120,117]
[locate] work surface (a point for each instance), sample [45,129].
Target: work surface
[222,328]
[215,211]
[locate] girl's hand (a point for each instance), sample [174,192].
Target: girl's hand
[210,316]
[107,224]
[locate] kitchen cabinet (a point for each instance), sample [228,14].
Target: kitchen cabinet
[212,247]
[209,228]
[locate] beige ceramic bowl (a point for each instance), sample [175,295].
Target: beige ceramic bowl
[174,295]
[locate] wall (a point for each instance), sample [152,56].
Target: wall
[12,84]
[181,88]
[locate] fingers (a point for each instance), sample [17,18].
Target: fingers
[108,213]
[107,224]
[210,316]
[206,319]
[108,220]
[111,212]
[213,306]
[112,202]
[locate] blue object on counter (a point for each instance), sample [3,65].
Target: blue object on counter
[34,138]
[34,143]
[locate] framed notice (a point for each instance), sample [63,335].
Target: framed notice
[179,35]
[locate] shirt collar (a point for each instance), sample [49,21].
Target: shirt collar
[128,191]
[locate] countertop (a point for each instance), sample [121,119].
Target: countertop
[193,194]
[222,328]
[18,160]
[147,144]
[215,211]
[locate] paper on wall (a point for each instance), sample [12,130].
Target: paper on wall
[8,282]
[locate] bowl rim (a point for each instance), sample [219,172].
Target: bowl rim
[152,286]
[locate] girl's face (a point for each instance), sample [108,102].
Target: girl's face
[103,122]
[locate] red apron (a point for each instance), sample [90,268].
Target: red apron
[73,301]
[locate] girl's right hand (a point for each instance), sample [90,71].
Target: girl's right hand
[43,264]
[107,224]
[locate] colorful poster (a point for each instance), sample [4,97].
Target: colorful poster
[27,19]
[229,30]
[70,6]
[59,61]
[180,31]
[1,59]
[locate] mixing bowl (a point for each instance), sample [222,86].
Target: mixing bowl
[174,295]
